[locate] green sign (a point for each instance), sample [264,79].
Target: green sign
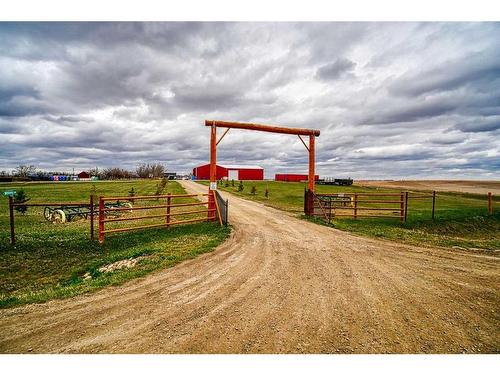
[9,193]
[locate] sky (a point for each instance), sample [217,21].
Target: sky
[392,100]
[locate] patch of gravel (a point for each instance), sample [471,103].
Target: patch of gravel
[125,263]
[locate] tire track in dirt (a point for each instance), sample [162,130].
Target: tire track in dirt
[280,284]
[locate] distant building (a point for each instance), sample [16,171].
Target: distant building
[230,172]
[83,174]
[170,175]
[291,177]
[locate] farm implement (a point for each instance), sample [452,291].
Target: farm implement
[73,212]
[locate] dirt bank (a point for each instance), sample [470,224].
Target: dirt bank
[280,284]
[474,187]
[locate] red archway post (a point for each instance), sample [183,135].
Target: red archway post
[312,133]
[310,196]
[213,170]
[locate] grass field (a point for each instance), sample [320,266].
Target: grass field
[461,219]
[50,260]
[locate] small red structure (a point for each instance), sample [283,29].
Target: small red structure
[290,177]
[83,175]
[231,172]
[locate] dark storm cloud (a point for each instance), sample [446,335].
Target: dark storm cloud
[336,69]
[410,112]
[390,99]
[478,69]
[487,124]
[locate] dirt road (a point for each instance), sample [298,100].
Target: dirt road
[474,187]
[280,284]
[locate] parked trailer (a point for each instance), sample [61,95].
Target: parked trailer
[335,181]
[293,177]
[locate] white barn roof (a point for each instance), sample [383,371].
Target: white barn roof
[227,166]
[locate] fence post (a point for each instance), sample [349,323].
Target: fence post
[91,217]
[11,215]
[169,201]
[227,209]
[330,210]
[402,207]
[101,220]
[355,211]
[406,206]
[433,203]
[490,203]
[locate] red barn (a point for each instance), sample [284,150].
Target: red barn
[83,175]
[290,177]
[231,172]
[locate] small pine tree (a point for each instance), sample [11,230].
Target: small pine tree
[131,193]
[266,193]
[240,186]
[232,183]
[253,191]
[160,186]
[21,197]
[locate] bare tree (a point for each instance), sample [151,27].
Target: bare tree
[154,170]
[24,170]
[115,174]
[157,170]
[94,171]
[142,170]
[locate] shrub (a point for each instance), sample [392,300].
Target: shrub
[21,197]
[266,193]
[253,191]
[240,186]
[131,193]
[160,186]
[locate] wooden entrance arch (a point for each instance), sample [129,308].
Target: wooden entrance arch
[214,124]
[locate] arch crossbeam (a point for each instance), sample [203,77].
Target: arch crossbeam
[214,124]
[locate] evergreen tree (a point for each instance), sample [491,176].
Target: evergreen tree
[131,193]
[21,197]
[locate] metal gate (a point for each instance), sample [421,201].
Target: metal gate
[359,205]
[222,207]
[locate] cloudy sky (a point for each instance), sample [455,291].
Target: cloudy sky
[392,100]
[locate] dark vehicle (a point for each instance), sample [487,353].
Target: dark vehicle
[335,181]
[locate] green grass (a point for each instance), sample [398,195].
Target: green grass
[461,219]
[49,260]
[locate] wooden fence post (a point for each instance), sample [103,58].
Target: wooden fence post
[169,201]
[91,217]
[433,203]
[330,207]
[11,215]
[406,206]
[490,203]
[101,220]
[355,211]
[402,207]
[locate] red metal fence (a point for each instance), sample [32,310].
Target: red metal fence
[169,216]
[359,205]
